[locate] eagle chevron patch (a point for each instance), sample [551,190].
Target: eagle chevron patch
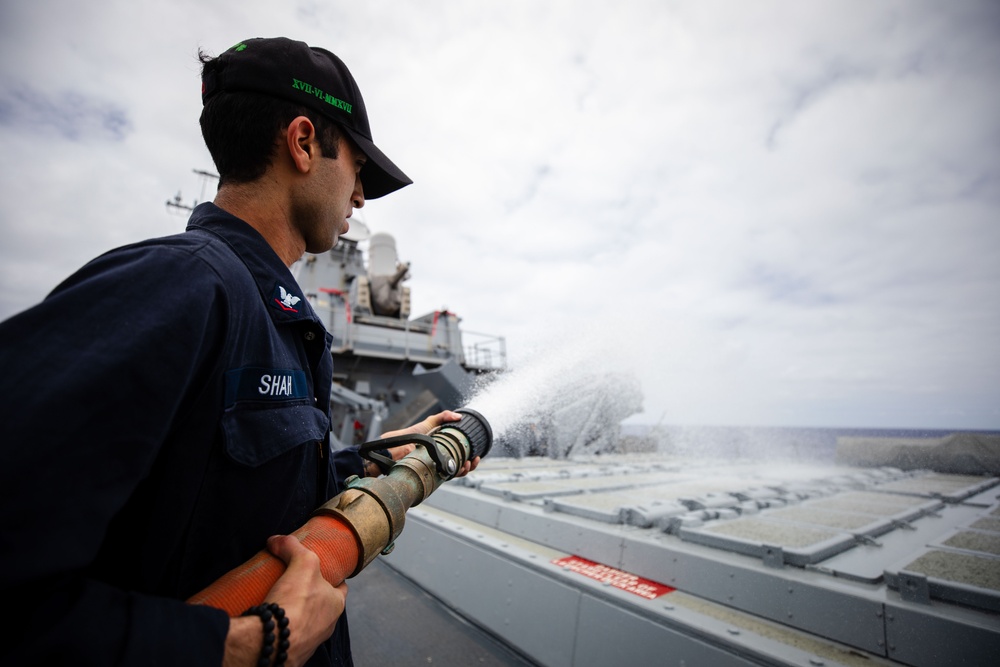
[285,300]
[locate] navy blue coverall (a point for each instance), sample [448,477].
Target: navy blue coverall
[165,410]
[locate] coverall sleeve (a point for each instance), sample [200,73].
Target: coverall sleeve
[348,462]
[94,377]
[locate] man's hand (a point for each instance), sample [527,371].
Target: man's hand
[312,606]
[311,603]
[423,428]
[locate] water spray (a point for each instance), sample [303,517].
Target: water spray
[350,530]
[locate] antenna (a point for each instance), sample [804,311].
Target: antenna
[177,202]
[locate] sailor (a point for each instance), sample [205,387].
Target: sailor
[171,414]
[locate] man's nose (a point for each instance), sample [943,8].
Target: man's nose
[358,199]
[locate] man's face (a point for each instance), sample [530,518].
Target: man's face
[322,208]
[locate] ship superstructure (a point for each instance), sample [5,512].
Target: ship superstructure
[390,370]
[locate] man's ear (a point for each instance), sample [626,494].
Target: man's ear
[300,139]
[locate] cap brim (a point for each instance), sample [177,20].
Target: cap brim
[379,176]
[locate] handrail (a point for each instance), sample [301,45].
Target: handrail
[488,352]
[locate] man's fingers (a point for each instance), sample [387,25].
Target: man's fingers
[286,547]
[399,452]
[468,467]
[427,425]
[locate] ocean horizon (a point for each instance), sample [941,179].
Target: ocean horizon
[785,442]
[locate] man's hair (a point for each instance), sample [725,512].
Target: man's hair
[241,130]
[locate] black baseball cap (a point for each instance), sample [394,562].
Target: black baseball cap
[314,78]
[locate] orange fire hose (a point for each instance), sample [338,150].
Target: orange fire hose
[247,585]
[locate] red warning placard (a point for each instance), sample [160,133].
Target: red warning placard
[627,582]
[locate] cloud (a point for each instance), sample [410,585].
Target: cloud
[774,213]
[73,115]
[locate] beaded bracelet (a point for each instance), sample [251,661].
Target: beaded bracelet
[272,616]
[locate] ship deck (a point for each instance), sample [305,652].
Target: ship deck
[395,622]
[630,559]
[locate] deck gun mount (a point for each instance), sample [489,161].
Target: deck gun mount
[385,277]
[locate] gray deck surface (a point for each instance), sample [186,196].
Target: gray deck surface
[394,622]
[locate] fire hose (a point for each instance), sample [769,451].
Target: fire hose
[351,529]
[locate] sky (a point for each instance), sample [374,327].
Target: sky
[774,213]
